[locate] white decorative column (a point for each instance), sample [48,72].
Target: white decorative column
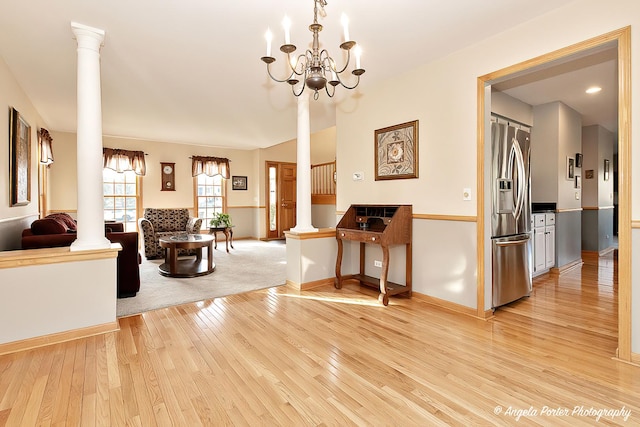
[89,140]
[303,179]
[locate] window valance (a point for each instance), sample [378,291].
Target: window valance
[210,166]
[46,147]
[124,160]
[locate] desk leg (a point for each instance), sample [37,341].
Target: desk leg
[231,238]
[409,269]
[383,275]
[215,238]
[226,238]
[338,281]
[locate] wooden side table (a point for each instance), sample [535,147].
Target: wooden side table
[228,235]
[173,267]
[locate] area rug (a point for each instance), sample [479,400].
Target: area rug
[250,266]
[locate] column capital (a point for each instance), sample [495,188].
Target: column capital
[89,37]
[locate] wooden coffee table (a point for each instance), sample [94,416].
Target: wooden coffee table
[174,267]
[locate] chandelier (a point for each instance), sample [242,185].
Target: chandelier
[315,68]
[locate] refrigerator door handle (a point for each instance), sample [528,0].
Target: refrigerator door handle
[519,160]
[513,242]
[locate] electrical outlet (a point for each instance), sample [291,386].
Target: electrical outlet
[377,263]
[466,194]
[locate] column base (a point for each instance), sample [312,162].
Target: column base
[304,229]
[87,245]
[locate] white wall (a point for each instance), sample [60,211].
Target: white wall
[511,108]
[569,143]
[590,161]
[606,143]
[597,145]
[47,299]
[544,145]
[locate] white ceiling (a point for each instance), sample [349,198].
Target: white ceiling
[568,80]
[189,71]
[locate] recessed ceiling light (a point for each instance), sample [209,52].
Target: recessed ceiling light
[594,89]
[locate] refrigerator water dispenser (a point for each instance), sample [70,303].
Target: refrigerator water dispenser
[505,196]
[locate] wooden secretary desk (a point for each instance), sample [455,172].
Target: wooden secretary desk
[383,225]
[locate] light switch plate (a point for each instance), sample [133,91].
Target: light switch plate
[466,194]
[358,176]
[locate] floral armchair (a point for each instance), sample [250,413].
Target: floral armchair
[157,223]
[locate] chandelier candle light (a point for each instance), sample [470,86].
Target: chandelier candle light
[316,67]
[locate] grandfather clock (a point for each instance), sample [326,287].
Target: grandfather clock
[168,172]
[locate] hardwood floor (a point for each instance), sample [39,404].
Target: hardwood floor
[329,357]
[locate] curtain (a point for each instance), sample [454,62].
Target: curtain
[124,160]
[46,147]
[210,166]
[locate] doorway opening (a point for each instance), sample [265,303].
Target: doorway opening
[280,198]
[620,39]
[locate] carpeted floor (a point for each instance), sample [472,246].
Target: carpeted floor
[251,265]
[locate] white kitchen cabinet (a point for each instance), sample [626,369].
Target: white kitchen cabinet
[550,246]
[544,242]
[539,244]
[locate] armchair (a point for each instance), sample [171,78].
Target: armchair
[157,223]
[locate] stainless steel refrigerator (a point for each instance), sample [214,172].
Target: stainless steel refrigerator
[511,234]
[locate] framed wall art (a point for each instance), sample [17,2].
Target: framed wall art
[570,168]
[578,160]
[239,182]
[606,170]
[578,182]
[396,151]
[19,159]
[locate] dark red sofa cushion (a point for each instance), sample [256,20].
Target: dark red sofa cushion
[45,226]
[65,218]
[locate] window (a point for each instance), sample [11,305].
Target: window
[121,197]
[272,198]
[210,197]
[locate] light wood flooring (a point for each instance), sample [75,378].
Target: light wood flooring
[326,357]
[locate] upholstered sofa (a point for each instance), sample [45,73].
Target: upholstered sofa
[59,230]
[157,223]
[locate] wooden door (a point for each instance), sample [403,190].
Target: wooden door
[287,192]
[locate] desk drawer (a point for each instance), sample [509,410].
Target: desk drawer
[360,236]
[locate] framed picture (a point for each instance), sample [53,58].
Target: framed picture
[606,170]
[570,168]
[19,159]
[588,174]
[578,160]
[396,151]
[239,182]
[578,181]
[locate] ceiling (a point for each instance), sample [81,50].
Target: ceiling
[567,80]
[189,71]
